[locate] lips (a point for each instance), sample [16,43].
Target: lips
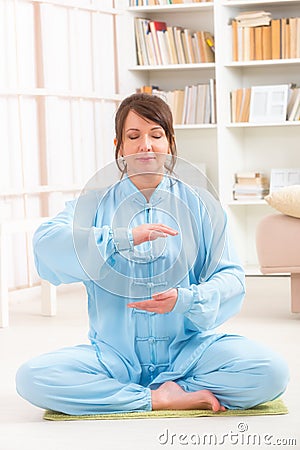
[145,158]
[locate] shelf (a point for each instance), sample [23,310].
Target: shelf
[293,123]
[196,126]
[260,2]
[182,8]
[247,203]
[224,149]
[264,63]
[201,66]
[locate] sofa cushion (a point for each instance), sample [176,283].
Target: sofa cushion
[286,200]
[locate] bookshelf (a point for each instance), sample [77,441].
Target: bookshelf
[228,147]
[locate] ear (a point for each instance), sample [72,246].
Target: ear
[115,142]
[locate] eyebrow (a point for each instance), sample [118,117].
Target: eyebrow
[158,127]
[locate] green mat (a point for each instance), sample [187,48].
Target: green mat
[269,408]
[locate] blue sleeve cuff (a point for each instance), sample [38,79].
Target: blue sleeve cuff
[123,239]
[184,301]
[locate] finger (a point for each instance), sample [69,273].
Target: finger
[140,304]
[146,305]
[164,294]
[154,234]
[165,228]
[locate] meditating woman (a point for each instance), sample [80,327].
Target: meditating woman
[161,275]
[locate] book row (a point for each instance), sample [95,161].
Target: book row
[261,104]
[195,104]
[162,2]
[278,40]
[160,44]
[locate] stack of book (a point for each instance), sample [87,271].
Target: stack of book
[195,104]
[256,36]
[162,2]
[240,105]
[250,186]
[157,43]
[246,101]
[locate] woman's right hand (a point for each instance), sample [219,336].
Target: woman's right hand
[150,232]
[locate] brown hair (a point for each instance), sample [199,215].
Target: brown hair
[150,107]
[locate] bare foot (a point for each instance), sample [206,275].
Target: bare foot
[171,396]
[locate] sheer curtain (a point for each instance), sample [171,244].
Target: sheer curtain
[58,94]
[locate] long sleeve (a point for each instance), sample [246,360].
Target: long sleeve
[218,290]
[69,248]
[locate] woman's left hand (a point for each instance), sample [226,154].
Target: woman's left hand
[162,302]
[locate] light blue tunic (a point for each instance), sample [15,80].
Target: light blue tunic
[91,241]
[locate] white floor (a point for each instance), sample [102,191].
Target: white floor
[266,317]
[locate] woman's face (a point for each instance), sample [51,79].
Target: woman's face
[145,145]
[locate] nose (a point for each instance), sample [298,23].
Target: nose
[146,145]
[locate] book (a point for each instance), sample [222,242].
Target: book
[150,48]
[199,35]
[187,37]
[209,52]
[234,34]
[293,105]
[253,18]
[163,47]
[140,42]
[293,36]
[154,27]
[179,45]
[268,103]
[275,39]
[266,43]
[196,48]
[283,38]
[239,102]
[192,104]
[283,177]
[210,40]
[202,92]
[233,106]
[298,38]
[178,106]
[245,108]
[258,43]
[287,39]
[172,46]
[246,43]
[212,93]
[250,185]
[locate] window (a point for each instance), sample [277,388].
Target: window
[58,94]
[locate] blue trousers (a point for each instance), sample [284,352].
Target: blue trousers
[239,372]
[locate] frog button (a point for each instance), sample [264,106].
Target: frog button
[151,368]
[151,340]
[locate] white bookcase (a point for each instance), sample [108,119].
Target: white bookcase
[225,148]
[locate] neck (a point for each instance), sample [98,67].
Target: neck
[146,183]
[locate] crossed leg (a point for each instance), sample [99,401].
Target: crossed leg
[233,372]
[240,372]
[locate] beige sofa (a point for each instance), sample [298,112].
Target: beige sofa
[278,249]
